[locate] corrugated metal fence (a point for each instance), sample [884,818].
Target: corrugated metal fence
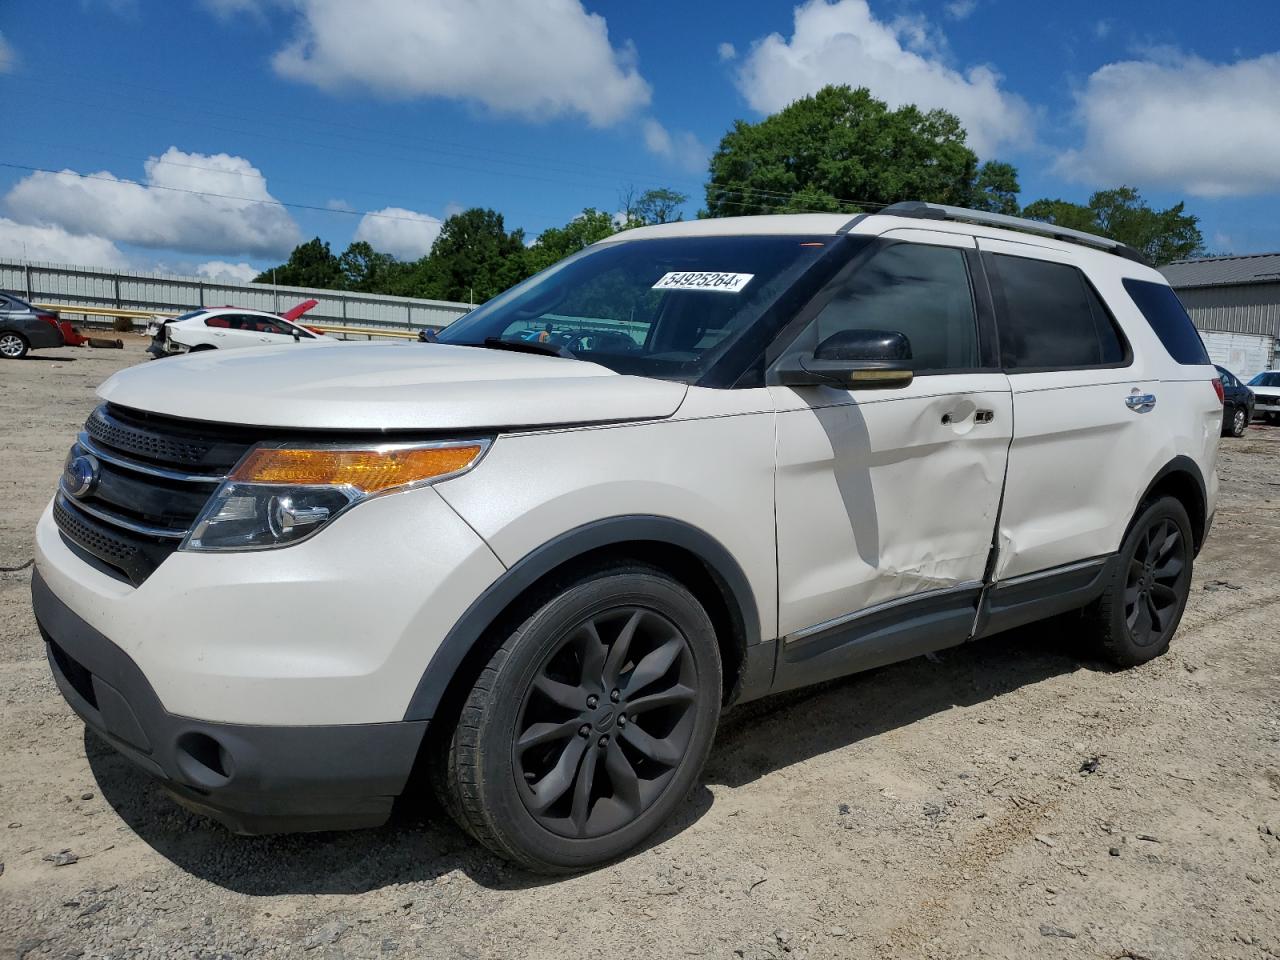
[1240,308]
[161,293]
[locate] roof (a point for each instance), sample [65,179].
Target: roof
[874,224]
[1224,271]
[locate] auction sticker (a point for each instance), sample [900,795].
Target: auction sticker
[721,282]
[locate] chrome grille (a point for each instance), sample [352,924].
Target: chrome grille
[153,476]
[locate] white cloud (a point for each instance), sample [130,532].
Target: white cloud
[231,9]
[901,62]
[726,51]
[1177,121]
[340,205]
[222,272]
[188,201]
[24,241]
[535,60]
[960,9]
[682,148]
[405,234]
[7,57]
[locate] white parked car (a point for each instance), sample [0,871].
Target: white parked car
[1266,392]
[747,455]
[223,328]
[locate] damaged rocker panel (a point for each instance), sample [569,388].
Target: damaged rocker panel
[921,623]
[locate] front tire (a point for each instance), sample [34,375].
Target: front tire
[1136,616]
[13,346]
[589,725]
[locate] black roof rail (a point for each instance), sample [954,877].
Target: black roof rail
[940,211]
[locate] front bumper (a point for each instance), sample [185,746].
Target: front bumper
[252,778]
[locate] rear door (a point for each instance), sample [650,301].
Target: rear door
[1083,407]
[888,498]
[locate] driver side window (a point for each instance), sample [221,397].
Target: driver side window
[915,289]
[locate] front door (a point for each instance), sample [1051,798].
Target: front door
[887,499]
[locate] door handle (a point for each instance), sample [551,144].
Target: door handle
[979,416]
[1140,402]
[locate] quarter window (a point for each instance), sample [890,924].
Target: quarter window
[1168,318]
[1052,318]
[920,291]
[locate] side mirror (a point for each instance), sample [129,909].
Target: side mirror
[851,360]
[297,337]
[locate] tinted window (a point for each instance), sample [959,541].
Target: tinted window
[667,307]
[1052,318]
[1168,318]
[1267,379]
[917,290]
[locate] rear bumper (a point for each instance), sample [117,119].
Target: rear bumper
[42,336]
[253,779]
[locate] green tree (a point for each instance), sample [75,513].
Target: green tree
[473,259]
[659,206]
[836,146]
[312,264]
[556,243]
[996,188]
[365,269]
[1162,236]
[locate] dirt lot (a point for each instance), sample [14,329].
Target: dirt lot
[933,809]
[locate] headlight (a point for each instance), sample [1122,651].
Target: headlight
[278,495]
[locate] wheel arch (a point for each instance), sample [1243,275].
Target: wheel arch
[689,555]
[1181,479]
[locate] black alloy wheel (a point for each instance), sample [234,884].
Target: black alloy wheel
[605,723]
[589,725]
[1147,588]
[1151,598]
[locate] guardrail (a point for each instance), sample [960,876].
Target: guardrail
[98,292]
[347,330]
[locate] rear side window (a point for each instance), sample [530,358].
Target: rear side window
[1052,318]
[1168,318]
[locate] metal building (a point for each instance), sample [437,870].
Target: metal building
[1235,303]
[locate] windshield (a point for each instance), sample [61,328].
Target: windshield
[663,308]
[1270,378]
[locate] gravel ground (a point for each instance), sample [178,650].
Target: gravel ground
[1003,799]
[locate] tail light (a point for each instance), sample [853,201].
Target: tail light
[49,318]
[1217,388]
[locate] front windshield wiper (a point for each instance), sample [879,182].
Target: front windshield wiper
[527,346]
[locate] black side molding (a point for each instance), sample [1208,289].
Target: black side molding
[1037,596]
[663,531]
[886,634]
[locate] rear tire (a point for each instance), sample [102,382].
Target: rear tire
[1239,422]
[589,725]
[1136,616]
[13,346]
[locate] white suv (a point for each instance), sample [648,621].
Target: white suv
[692,465]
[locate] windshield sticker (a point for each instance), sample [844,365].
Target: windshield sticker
[720,282]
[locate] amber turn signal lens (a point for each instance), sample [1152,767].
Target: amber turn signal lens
[368,470]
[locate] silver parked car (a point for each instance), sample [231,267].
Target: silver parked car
[24,327]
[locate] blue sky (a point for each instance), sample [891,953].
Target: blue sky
[412,110]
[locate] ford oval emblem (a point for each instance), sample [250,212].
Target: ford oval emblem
[80,475]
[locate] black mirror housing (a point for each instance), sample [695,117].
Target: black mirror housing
[851,360]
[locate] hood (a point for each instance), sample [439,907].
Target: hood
[388,386]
